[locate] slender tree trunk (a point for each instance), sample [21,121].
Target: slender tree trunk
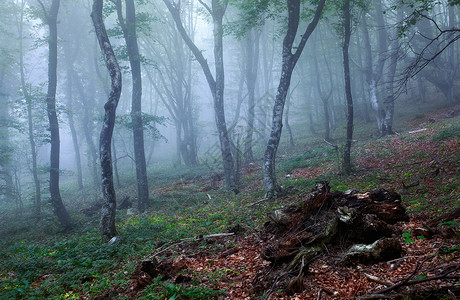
[389,102]
[70,114]
[115,163]
[286,121]
[56,200]
[346,72]
[252,62]
[373,75]
[87,129]
[109,206]
[129,31]
[324,97]
[30,125]
[289,61]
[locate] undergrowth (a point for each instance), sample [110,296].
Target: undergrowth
[37,261]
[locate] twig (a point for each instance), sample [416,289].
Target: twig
[407,282]
[274,284]
[329,292]
[257,202]
[378,280]
[404,281]
[167,248]
[417,131]
[336,148]
[209,236]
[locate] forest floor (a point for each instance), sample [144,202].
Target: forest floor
[172,240]
[423,165]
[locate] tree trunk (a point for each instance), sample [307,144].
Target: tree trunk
[346,72]
[373,75]
[87,129]
[289,61]
[252,62]
[107,224]
[70,114]
[129,31]
[30,127]
[286,120]
[389,102]
[56,200]
[324,97]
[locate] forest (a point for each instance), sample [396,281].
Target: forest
[229,149]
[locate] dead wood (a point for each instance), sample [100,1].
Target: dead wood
[295,235]
[258,202]
[207,237]
[378,280]
[407,281]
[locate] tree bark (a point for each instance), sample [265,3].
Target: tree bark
[289,61]
[346,71]
[389,102]
[56,200]
[128,26]
[373,76]
[107,224]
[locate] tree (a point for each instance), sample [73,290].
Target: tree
[289,61]
[252,64]
[172,78]
[128,25]
[216,85]
[374,74]
[429,43]
[29,98]
[107,224]
[56,200]
[346,72]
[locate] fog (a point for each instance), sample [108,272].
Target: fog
[394,63]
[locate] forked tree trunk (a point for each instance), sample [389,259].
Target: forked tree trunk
[56,200]
[289,61]
[109,205]
[216,85]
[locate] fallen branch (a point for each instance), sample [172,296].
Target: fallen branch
[378,280]
[327,291]
[407,281]
[417,131]
[229,252]
[209,236]
[258,201]
[336,148]
[167,248]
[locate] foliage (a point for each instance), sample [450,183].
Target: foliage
[167,290]
[447,133]
[149,122]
